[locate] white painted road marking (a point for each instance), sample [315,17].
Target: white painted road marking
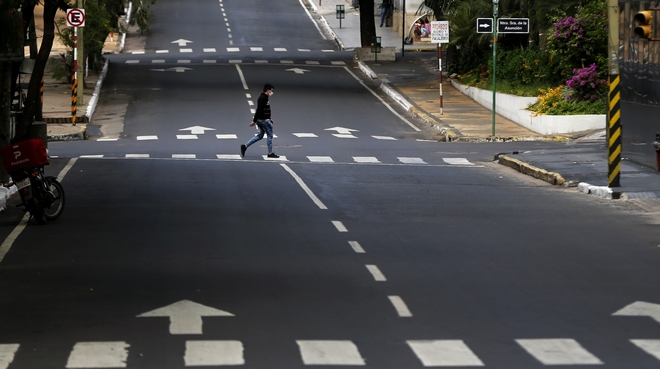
[209,49]
[210,353]
[558,351]
[320,159]
[184,156]
[339,135]
[226,136]
[365,159]
[376,273]
[91,156]
[356,247]
[400,306]
[185,316]
[145,138]
[651,347]
[139,156]
[229,157]
[457,161]
[7,353]
[339,225]
[186,137]
[307,190]
[641,308]
[412,160]
[98,355]
[330,353]
[303,135]
[444,353]
[281,158]
[384,138]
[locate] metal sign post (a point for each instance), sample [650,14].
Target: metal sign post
[75,18]
[440,35]
[613,112]
[375,47]
[341,14]
[494,63]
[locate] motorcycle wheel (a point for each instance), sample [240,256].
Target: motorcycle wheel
[37,212]
[56,207]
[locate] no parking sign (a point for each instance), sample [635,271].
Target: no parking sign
[75,17]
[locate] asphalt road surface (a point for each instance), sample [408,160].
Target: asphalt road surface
[368,243]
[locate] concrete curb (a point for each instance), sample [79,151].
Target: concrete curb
[600,191]
[326,25]
[530,170]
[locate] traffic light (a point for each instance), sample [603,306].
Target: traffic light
[643,20]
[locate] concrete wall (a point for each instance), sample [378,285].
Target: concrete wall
[515,108]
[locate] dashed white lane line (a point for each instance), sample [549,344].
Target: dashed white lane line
[411,160]
[90,157]
[330,353]
[185,50]
[206,61]
[384,138]
[400,306]
[139,156]
[162,51]
[457,161]
[229,157]
[98,355]
[286,61]
[186,137]
[256,49]
[356,247]
[158,61]
[651,347]
[137,52]
[7,353]
[312,62]
[281,158]
[320,159]
[305,50]
[107,139]
[184,156]
[226,136]
[305,135]
[339,225]
[233,49]
[305,188]
[209,50]
[145,138]
[365,159]
[558,351]
[376,273]
[337,63]
[444,353]
[184,61]
[344,135]
[280,49]
[214,353]
[132,61]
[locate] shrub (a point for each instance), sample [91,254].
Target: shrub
[586,84]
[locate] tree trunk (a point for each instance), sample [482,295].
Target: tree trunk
[367,23]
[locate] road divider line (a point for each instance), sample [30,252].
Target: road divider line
[376,273]
[240,74]
[307,190]
[9,241]
[339,225]
[400,306]
[356,247]
[381,100]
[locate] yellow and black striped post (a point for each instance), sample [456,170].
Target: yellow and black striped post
[614,133]
[74,98]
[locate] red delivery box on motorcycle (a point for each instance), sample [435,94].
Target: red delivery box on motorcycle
[29,154]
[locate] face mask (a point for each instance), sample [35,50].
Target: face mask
[272,92]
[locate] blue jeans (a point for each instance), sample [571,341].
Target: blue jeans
[384,16]
[265,126]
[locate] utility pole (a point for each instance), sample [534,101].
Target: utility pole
[613,98]
[81,57]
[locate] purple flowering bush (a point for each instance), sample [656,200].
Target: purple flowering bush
[586,84]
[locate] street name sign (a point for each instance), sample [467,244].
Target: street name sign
[484,25]
[513,25]
[440,32]
[75,17]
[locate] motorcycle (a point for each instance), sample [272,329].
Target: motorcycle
[41,195]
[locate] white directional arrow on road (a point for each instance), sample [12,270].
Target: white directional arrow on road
[182,42]
[185,316]
[342,130]
[641,308]
[297,70]
[197,130]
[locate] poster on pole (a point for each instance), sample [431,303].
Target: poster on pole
[440,32]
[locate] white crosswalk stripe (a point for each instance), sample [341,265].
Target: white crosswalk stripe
[229,157]
[281,158]
[651,347]
[210,353]
[186,137]
[320,159]
[365,159]
[330,353]
[185,50]
[305,135]
[412,160]
[558,351]
[98,355]
[91,156]
[7,353]
[144,138]
[209,50]
[444,353]
[184,156]
[457,161]
[384,138]
[226,136]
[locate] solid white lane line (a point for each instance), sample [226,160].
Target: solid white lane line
[240,74]
[558,351]
[312,19]
[330,353]
[66,169]
[651,347]
[213,353]
[444,353]
[7,352]
[381,100]
[339,225]
[400,306]
[376,273]
[98,355]
[9,241]
[307,190]
[356,247]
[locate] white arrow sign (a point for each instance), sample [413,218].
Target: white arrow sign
[185,316]
[641,308]
[297,70]
[197,130]
[342,130]
[182,42]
